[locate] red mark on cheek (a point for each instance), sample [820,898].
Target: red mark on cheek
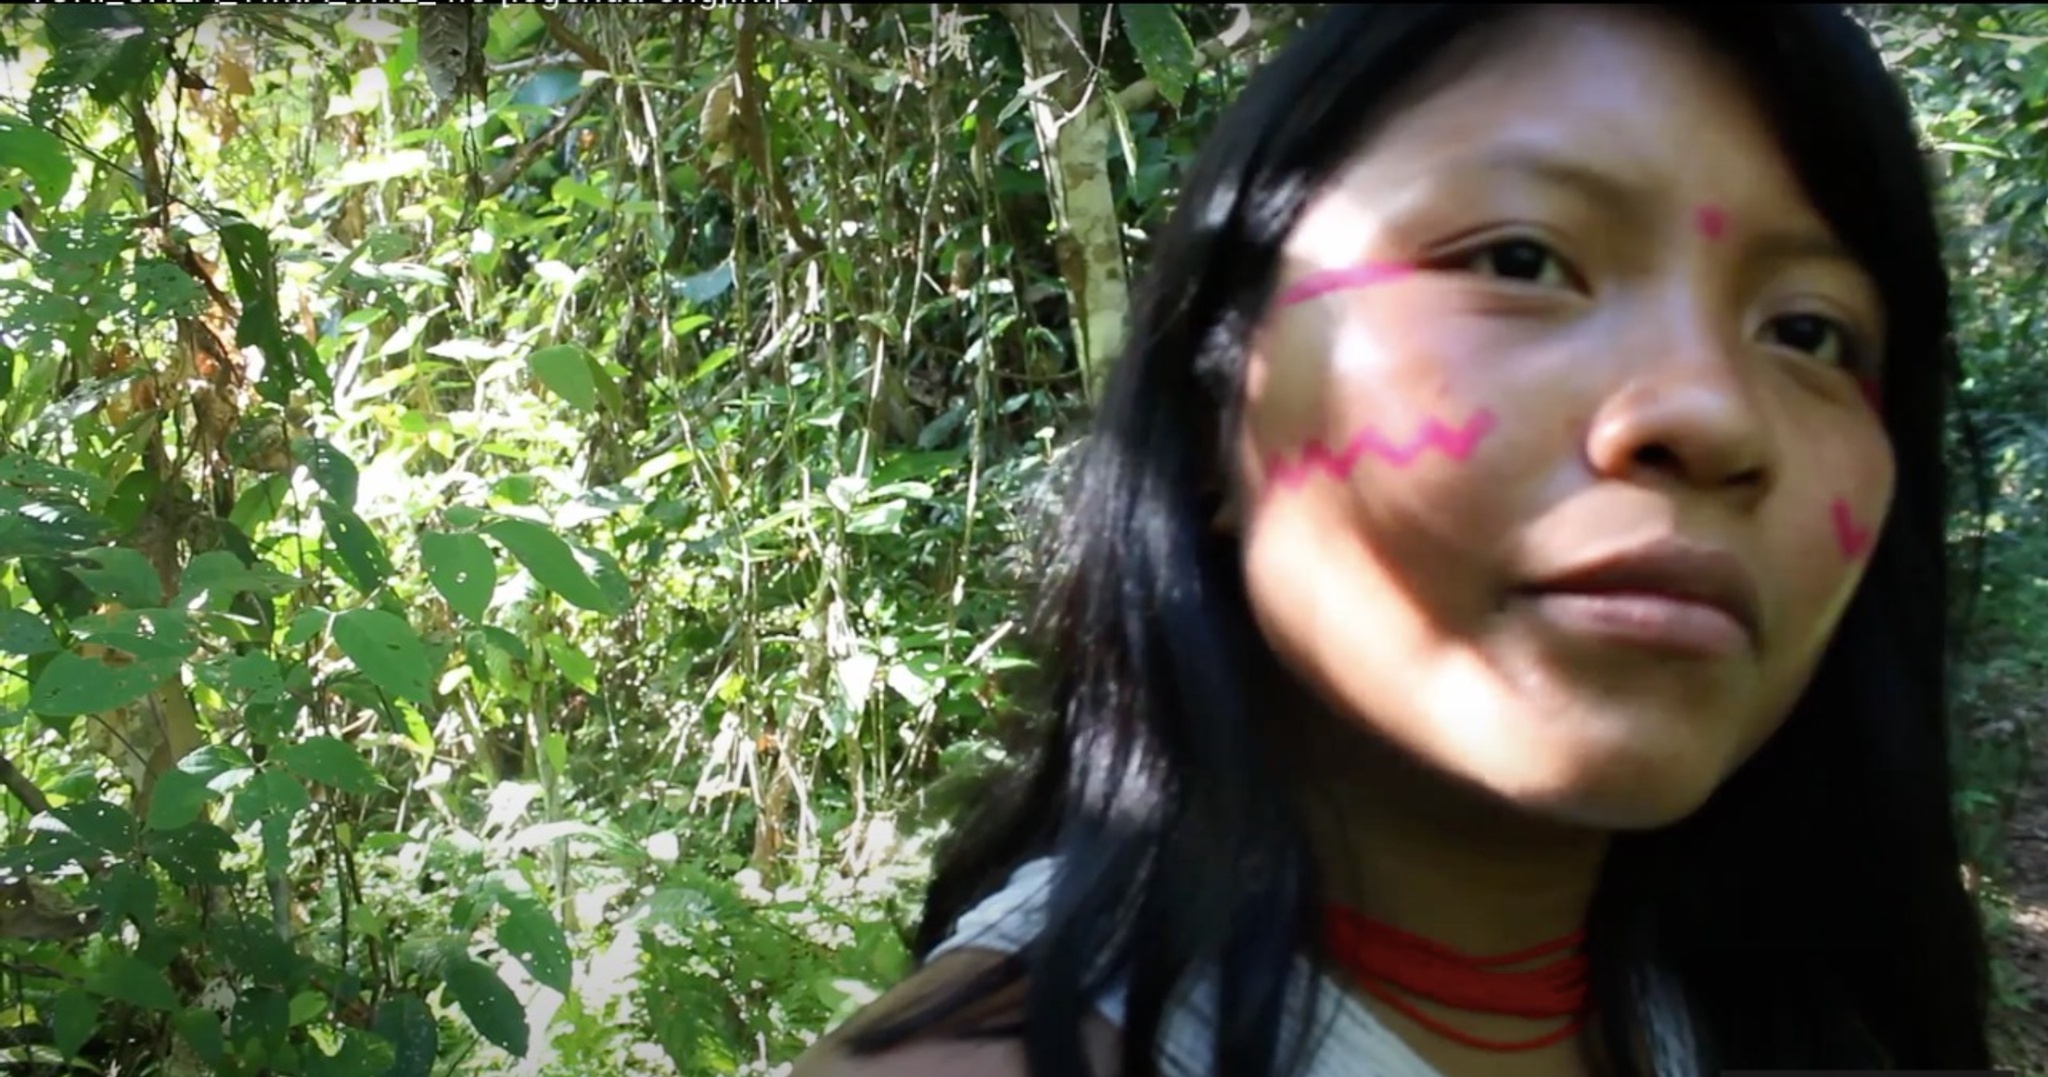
[1712,221]
[1873,393]
[1455,442]
[1322,282]
[1854,539]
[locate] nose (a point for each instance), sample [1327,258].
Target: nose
[1685,417]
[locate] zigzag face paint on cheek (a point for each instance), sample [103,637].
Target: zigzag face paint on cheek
[1454,442]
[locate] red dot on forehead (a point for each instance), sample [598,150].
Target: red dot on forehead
[1712,221]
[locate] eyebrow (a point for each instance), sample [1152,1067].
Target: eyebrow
[1630,198]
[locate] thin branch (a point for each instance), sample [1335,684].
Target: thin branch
[23,789]
[759,139]
[1247,30]
[539,144]
[569,39]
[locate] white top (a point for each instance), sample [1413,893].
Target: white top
[1353,1042]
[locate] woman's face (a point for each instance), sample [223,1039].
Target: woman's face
[1558,466]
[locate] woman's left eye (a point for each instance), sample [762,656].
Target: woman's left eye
[1821,337]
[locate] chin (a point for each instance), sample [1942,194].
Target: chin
[1614,784]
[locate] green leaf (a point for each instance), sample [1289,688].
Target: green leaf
[253,267]
[123,575]
[47,526]
[387,651]
[23,633]
[552,563]
[70,685]
[565,370]
[39,154]
[99,823]
[218,574]
[1163,47]
[332,762]
[461,567]
[73,1021]
[532,934]
[177,800]
[406,1023]
[200,1027]
[330,467]
[363,557]
[129,979]
[488,1003]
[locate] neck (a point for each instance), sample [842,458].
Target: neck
[1416,850]
[1402,844]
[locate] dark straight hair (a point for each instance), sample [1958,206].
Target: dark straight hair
[1812,913]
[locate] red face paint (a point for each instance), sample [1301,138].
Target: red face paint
[1854,539]
[1324,281]
[1454,442]
[1712,221]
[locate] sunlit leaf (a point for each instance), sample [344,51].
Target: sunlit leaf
[488,1003]
[387,650]
[552,562]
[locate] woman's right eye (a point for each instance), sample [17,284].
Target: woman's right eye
[1522,260]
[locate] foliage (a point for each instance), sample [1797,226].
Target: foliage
[509,516]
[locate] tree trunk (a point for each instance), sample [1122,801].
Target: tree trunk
[1073,145]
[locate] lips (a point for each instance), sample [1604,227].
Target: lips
[1687,596]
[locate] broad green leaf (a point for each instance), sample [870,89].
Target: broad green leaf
[363,558]
[47,526]
[361,1054]
[126,893]
[1163,47]
[461,567]
[191,856]
[70,685]
[256,674]
[123,575]
[177,800]
[35,473]
[220,574]
[200,1028]
[531,933]
[552,563]
[565,370]
[127,978]
[488,1003]
[332,762]
[306,1005]
[331,469]
[40,155]
[107,826]
[74,1018]
[253,266]
[23,633]
[406,1023]
[387,651]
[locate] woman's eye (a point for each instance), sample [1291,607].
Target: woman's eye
[1523,260]
[1821,337]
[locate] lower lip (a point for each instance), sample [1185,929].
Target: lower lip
[1649,621]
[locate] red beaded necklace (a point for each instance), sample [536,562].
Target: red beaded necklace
[1393,965]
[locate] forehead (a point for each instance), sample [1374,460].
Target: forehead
[1611,98]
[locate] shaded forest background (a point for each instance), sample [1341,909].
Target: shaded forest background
[511,518]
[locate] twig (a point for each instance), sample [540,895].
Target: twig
[1247,30]
[759,138]
[23,789]
[569,39]
[539,144]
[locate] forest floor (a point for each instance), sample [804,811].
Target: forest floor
[2021,1034]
